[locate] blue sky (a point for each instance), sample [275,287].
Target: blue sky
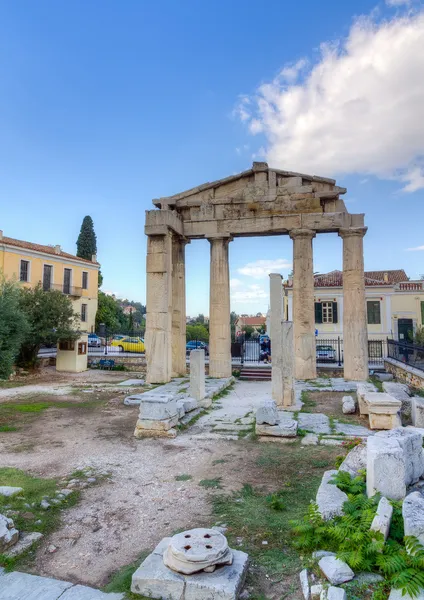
[106,105]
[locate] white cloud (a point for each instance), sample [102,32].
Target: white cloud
[398,2]
[250,294]
[358,109]
[235,283]
[261,268]
[417,248]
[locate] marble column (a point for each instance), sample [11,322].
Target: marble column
[178,306]
[355,334]
[159,308]
[219,308]
[276,335]
[303,304]
[288,364]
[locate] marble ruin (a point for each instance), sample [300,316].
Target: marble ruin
[260,201]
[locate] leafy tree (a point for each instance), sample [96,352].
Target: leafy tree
[197,332]
[248,331]
[110,313]
[131,321]
[87,241]
[13,326]
[419,336]
[51,318]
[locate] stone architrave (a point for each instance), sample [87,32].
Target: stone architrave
[197,374]
[288,364]
[303,304]
[178,306]
[386,469]
[276,335]
[413,515]
[159,308]
[355,335]
[219,317]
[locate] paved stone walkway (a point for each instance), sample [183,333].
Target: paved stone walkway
[22,586]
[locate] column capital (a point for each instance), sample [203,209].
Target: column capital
[227,237]
[275,275]
[352,231]
[181,239]
[299,233]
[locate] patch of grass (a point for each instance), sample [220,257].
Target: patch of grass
[219,461]
[4,428]
[120,581]
[33,407]
[223,393]
[183,477]
[12,384]
[417,392]
[211,483]
[184,426]
[320,464]
[378,384]
[308,403]
[332,424]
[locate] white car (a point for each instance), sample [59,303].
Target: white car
[326,353]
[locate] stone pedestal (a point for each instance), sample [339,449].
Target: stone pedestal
[276,335]
[197,374]
[178,306]
[303,304]
[288,364]
[159,308]
[219,311]
[355,336]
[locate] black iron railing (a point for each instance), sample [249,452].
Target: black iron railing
[408,353]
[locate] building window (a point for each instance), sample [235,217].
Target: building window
[24,272]
[66,345]
[325,312]
[84,280]
[47,277]
[373,312]
[67,273]
[83,313]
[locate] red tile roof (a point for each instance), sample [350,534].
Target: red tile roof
[40,248]
[253,320]
[372,278]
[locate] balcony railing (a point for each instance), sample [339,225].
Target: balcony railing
[69,290]
[411,286]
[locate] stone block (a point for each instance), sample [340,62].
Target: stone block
[316,591]
[385,468]
[350,429]
[267,413]
[348,405]
[310,439]
[379,421]
[8,491]
[314,423]
[190,404]
[335,570]
[158,407]
[418,411]
[304,582]
[140,433]
[329,498]
[383,410]
[8,534]
[25,541]
[17,586]
[180,409]
[164,425]
[197,374]
[397,595]
[287,428]
[362,389]
[413,515]
[383,518]
[336,593]
[396,390]
[383,376]
[225,583]
[411,442]
[82,592]
[154,580]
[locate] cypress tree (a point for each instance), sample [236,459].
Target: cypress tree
[86,242]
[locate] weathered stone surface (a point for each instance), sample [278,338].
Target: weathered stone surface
[413,515]
[8,491]
[310,439]
[385,468]
[131,382]
[197,374]
[363,388]
[25,541]
[383,376]
[288,364]
[81,592]
[223,584]
[383,410]
[17,586]
[336,593]
[158,407]
[287,428]
[189,404]
[164,425]
[180,409]
[316,591]
[397,595]
[355,461]
[329,498]
[219,307]
[195,550]
[267,413]
[411,443]
[335,570]
[154,580]
[149,433]
[8,534]
[318,554]
[276,334]
[304,582]
[331,442]
[383,517]
[348,405]
[369,578]
[418,411]
[350,429]
[314,423]
[396,390]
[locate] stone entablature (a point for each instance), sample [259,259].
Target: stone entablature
[260,201]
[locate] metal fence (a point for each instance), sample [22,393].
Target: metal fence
[408,353]
[109,343]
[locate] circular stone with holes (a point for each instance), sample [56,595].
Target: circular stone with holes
[196,550]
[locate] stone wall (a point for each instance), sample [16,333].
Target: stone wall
[405,373]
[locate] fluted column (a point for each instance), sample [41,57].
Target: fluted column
[355,334]
[276,335]
[159,307]
[303,304]
[178,306]
[219,308]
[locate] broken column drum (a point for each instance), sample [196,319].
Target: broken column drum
[258,202]
[197,550]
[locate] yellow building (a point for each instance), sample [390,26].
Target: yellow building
[395,304]
[76,277]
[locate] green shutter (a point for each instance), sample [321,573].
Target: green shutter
[422,313]
[335,314]
[318,312]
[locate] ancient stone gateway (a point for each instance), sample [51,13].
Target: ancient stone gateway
[260,201]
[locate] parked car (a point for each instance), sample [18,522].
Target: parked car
[129,344]
[94,341]
[196,345]
[326,354]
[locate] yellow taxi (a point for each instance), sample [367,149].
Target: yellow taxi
[129,344]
